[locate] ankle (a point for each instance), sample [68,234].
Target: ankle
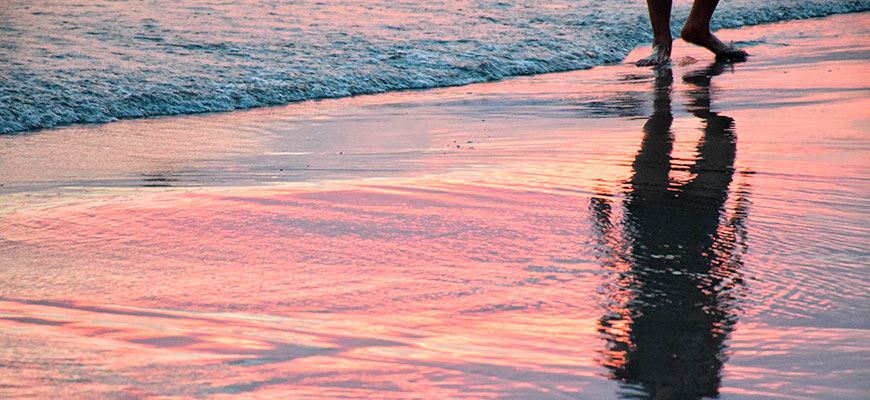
[664,42]
[694,33]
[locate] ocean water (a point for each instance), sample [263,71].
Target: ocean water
[66,62]
[691,232]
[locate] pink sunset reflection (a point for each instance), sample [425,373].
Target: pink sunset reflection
[685,232]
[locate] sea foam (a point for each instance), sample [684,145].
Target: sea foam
[112,59]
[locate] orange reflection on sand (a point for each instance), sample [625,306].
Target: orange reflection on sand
[228,352]
[529,261]
[304,257]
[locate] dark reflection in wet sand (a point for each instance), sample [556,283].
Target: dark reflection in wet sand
[677,252]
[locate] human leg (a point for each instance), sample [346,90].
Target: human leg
[660,18]
[697,31]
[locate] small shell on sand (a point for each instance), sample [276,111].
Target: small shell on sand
[687,60]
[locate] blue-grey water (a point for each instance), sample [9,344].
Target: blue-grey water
[65,62]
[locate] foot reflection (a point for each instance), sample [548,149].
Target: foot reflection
[677,251]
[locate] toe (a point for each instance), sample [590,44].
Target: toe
[732,54]
[645,62]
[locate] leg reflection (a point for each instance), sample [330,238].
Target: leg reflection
[678,255]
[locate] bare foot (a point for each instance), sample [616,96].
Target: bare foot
[661,54]
[704,38]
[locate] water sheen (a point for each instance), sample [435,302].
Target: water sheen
[697,231]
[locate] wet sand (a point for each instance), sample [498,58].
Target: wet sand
[693,231]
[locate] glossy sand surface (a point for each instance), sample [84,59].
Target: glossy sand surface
[694,231]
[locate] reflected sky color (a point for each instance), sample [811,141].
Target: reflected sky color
[560,236]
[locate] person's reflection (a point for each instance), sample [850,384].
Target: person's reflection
[677,250]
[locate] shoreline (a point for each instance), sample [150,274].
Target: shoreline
[765,16]
[493,240]
[70,153]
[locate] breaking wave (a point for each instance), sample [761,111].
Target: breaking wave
[113,59]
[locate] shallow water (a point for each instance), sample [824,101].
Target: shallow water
[693,232]
[66,62]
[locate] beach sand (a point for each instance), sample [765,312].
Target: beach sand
[491,240]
